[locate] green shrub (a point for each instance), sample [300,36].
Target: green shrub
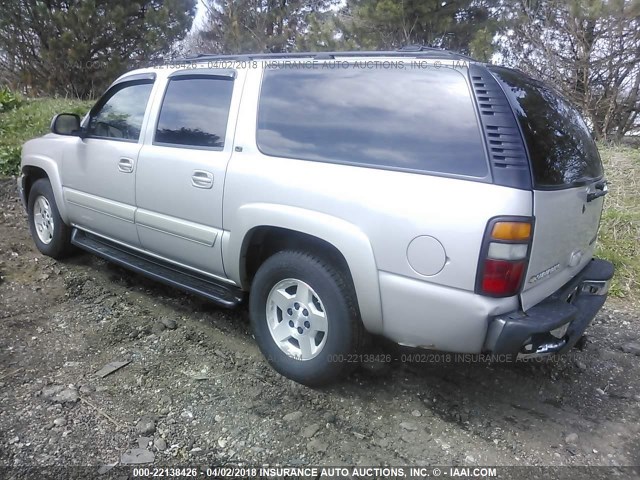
[8,100]
[30,119]
[9,159]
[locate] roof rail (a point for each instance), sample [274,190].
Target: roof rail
[407,51]
[424,48]
[420,48]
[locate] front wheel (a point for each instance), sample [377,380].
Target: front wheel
[304,317]
[50,234]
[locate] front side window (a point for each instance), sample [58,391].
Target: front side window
[120,112]
[411,119]
[194,112]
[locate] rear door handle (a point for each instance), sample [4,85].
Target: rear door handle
[202,179]
[125,165]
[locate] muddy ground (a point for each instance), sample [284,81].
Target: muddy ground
[197,390]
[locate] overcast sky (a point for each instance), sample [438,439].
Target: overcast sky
[200,14]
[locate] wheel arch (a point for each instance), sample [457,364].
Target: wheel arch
[263,241]
[259,230]
[36,167]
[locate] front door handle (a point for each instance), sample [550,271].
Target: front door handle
[125,165]
[202,179]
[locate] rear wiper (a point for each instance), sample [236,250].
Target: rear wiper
[601,192]
[579,182]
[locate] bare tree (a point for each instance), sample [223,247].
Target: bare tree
[246,26]
[589,49]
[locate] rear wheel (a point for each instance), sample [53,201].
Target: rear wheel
[304,317]
[50,234]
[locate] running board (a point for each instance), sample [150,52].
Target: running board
[224,295]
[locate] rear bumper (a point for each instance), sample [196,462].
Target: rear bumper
[557,323]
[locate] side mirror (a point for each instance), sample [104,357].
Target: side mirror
[66,124]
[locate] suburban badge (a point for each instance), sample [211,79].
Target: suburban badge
[544,273]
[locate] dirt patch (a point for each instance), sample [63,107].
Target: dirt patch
[196,389]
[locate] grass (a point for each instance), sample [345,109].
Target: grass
[30,118]
[619,237]
[619,240]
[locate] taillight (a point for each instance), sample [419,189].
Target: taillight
[504,256]
[502,278]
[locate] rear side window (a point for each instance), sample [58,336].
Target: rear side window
[194,112]
[561,148]
[408,119]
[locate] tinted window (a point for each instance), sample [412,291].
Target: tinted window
[195,111]
[120,112]
[560,146]
[415,119]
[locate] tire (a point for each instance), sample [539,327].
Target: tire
[278,298]
[50,234]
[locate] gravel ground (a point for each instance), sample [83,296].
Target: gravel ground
[196,389]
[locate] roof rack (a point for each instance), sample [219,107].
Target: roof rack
[406,51]
[434,50]
[420,48]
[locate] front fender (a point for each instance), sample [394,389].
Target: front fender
[346,237]
[30,158]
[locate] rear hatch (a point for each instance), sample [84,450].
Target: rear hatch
[568,184]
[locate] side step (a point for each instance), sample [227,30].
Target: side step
[224,295]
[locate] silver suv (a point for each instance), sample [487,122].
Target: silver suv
[417,195]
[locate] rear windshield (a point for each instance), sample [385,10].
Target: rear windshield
[560,145]
[416,119]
